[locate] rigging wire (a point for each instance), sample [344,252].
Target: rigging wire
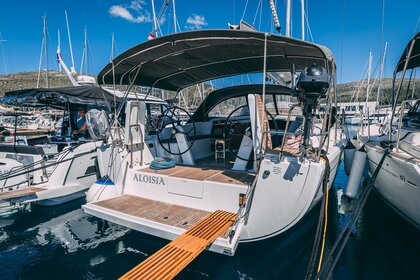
[256,13]
[243,14]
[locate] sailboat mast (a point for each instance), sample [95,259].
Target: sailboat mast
[155,24]
[173,7]
[112,47]
[72,69]
[59,47]
[414,84]
[368,81]
[86,51]
[288,12]
[302,14]
[380,75]
[45,52]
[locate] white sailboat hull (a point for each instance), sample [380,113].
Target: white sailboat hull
[398,181]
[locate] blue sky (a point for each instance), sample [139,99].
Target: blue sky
[21,25]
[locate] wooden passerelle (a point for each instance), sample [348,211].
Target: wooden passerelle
[171,259]
[26,191]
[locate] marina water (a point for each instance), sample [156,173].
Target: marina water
[64,243]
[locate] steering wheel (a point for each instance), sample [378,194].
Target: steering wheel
[235,130]
[172,117]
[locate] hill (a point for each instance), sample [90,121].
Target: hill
[345,91]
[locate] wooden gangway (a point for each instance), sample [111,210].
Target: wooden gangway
[19,193]
[175,256]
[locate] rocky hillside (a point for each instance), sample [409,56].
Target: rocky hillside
[349,91]
[345,91]
[24,80]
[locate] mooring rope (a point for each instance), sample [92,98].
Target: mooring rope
[348,227]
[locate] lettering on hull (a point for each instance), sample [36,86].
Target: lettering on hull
[149,179]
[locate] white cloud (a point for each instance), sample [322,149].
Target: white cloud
[137,5]
[195,22]
[134,12]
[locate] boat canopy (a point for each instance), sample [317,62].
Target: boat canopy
[179,60]
[414,59]
[59,97]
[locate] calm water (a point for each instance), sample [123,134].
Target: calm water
[64,243]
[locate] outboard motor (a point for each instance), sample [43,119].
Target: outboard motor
[312,84]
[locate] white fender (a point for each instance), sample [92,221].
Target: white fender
[356,174]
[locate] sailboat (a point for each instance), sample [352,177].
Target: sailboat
[398,180]
[266,167]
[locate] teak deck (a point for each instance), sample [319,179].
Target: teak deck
[171,259]
[205,174]
[156,211]
[26,191]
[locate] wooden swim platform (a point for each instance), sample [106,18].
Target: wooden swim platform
[26,191]
[175,256]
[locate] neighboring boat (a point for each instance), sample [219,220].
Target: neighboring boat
[238,152]
[398,180]
[64,166]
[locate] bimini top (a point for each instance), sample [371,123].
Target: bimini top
[59,97]
[179,60]
[414,59]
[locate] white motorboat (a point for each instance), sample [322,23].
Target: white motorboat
[234,154]
[398,180]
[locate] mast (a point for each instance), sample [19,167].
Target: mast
[59,47]
[112,46]
[275,16]
[288,12]
[173,7]
[43,54]
[155,23]
[302,14]
[380,75]
[368,81]
[72,69]
[47,84]
[3,53]
[84,54]
[414,84]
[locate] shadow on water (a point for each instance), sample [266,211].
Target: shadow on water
[64,243]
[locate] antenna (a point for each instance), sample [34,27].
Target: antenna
[72,69]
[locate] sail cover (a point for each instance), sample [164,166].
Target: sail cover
[59,97]
[179,60]
[414,59]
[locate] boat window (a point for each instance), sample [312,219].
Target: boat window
[224,108]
